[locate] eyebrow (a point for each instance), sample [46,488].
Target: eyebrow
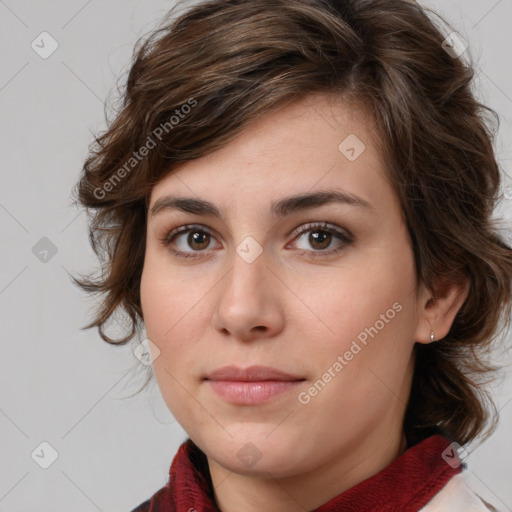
[280,208]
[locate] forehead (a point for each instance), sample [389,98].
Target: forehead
[316,142]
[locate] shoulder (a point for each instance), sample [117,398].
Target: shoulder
[161,500]
[457,496]
[143,507]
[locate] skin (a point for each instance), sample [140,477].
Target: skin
[289,309]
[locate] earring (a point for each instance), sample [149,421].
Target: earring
[432,339]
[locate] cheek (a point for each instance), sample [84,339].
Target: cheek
[169,323]
[341,306]
[174,317]
[168,300]
[366,314]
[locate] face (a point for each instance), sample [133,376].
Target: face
[321,288]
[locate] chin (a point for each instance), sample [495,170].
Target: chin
[255,452]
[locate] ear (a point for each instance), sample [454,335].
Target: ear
[437,309]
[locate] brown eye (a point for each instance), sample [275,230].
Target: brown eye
[320,239]
[200,238]
[193,245]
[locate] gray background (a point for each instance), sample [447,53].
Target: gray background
[67,387]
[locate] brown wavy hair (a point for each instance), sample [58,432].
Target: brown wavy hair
[198,79]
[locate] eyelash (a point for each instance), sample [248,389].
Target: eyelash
[346,239]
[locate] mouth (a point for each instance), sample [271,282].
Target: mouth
[251,374]
[252,385]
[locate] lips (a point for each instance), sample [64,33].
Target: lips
[251,386]
[251,374]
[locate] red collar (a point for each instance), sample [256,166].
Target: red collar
[406,485]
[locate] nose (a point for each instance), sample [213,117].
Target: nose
[248,302]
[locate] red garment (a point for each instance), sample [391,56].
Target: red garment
[405,485]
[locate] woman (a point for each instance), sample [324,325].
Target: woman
[295,203]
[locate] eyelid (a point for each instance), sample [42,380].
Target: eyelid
[321,225]
[297,231]
[344,236]
[170,235]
